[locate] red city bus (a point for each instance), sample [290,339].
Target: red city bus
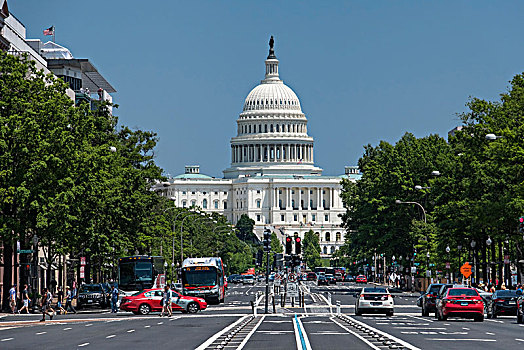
[204,278]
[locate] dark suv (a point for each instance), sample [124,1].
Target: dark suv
[93,295]
[428,298]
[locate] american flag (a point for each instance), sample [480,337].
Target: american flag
[49,31]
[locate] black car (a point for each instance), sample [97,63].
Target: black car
[322,280]
[502,302]
[429,297]
[349,278]
[311,276]
[93,295]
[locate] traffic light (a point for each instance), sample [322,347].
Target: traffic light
[267,240]
[260,255]
[288,245]
[521,224]
[298,247]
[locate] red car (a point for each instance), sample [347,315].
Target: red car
[361,279]
[460,302]
[149,300]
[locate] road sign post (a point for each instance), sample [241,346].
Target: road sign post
[465,270]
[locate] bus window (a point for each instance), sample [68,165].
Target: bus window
[143,271]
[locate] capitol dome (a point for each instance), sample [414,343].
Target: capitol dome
[271,95]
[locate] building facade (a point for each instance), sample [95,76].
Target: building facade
[272,177]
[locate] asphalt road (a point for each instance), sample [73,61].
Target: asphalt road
[232,325]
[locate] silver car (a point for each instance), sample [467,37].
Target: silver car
[248,279]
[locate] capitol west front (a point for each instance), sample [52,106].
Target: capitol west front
[272,177]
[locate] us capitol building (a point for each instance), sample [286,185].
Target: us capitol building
[272,177]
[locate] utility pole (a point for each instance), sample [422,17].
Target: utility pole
[267,249]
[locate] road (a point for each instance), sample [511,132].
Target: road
[232,325]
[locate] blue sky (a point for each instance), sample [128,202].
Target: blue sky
[364,70]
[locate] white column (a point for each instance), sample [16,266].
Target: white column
[288,198]
[308,206]
[320,205]
[299,198]
[281,153]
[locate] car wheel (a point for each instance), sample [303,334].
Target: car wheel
[520,318]
[193,308]
[389,313]
[144,309]
[357,312]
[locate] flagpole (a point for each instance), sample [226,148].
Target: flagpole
[54,34]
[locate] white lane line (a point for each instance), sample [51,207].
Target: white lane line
[89,325]
[495,321]
[275,332]
[462,339]
[130,331]
[67,328]
[244,342]
[298,328]
[518,339]
[160,322]
[423,319]
[219,333]
[84,344]
[7,339]
[404,343]
[489,333]
[110,336]
[422,328]
[355,334]
[147,326]
[40,333]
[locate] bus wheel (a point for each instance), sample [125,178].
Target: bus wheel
[193,308]
[144,309]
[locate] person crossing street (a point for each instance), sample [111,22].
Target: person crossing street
[114,299]
[69,299]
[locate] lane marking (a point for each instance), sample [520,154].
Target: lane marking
[518,339]
[147,326]
[110,336]
[404,343]
[7,339]
[489,333]
[246,339]
[219,333]
[462,339]
[89,324]
[40,333]
[275,332]
[160,322]
[67,328]
[301,337]
[355,334]
[84,344]
[130,331]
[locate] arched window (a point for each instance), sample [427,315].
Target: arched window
[271,128]
[259,128]
[339,236]
[265,128]
[225,204]
[216,204]
[325,250]
[328,237]
[204,203]
[258,203]
[193,203]
[332,250]
[184,204]
[278,128]
[293,203]
[249,129]
[318,235]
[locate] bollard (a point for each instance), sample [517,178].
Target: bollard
[303,303]
[338,307]
[274,308]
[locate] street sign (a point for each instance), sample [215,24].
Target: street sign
[466,270]
[82,260]
[448,265]
[82,273]
[25,251]
[506,259]
[413,269]
[292,290]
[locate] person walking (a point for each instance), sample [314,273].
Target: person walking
[114,299]
[46,304]
[166,302]
[69,300]
[59,303]
[12,299]
[25,300]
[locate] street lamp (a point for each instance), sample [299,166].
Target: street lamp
[488,242]
[435,173]
[398,201]
[492,137]
[473,244]
[448,249]
[420,188]
[35,271]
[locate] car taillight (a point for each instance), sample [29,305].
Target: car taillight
[431,295]
[362,296]
[499,300]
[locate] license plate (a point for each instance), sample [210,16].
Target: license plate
[464,304]
[512,302]
[376,304]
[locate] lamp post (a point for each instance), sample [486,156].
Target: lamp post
[181,234]
[488,243]
[35,271]
[473,245]
[398,201]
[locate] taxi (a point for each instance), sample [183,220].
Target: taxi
[150,300]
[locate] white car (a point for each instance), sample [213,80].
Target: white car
[374,300]
[248,279]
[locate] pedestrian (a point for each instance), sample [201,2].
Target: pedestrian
[25,300]
[69,299]
[166,302]
[12,298]
[60,299]
[46,304]
[114,299]
[503,286]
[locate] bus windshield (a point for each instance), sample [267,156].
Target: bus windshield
[135,274]
[199,276]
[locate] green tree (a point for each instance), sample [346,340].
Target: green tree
[311,250]
[245,227]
